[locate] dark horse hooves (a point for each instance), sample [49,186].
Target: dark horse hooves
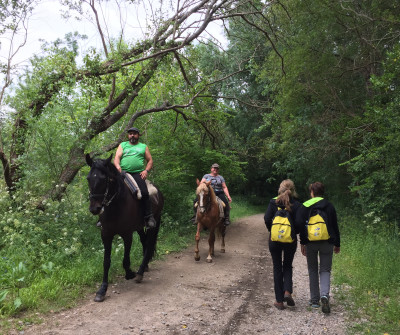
[138,278]
[99,297]
[130,275]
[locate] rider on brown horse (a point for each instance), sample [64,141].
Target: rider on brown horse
[220,189]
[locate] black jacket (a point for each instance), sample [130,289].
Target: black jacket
[332,225]
[273,208]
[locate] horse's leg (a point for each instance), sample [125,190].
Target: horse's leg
[196,248]
[126,263]
[223,229]
[142,236]
[101,293]
[149,249]
[211,240]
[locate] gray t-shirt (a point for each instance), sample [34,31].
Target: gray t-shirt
[216,182]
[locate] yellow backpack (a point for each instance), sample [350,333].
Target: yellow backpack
[316,225]
[282,228]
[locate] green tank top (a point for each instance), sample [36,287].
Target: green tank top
[133,159]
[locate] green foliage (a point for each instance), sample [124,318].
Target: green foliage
[376,165]
[367,274]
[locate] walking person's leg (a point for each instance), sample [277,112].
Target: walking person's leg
[276,255]
[288,256]
[312,264]
[325,255]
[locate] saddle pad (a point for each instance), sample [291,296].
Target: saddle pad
[132,185]
[134,188]
[221,206]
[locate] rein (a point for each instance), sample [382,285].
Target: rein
[105,202]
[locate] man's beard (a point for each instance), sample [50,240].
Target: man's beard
[133,140]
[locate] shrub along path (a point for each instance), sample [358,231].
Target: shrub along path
[232,295]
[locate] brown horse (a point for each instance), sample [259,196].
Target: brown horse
[208,216]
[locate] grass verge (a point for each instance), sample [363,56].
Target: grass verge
[367,274]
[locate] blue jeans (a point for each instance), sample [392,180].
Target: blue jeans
[320,276]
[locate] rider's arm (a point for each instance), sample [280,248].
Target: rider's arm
[149,164]
[225,188]
[117,158]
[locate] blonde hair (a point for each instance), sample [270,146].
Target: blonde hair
[286,191]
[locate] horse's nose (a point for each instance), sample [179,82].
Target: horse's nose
[95,208]
[202,209]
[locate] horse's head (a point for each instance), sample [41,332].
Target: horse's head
[204,195]
[101,179]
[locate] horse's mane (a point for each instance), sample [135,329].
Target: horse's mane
[203,187]
[111,171]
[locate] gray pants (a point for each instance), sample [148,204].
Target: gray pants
[319,282]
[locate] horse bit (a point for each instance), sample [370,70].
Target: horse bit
[104,203]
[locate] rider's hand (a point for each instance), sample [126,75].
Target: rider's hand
[144,174]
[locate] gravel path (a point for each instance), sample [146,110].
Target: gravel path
[232,295]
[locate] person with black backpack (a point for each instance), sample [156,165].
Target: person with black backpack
[280,221]
[319,239]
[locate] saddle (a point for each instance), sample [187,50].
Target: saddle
[134,188]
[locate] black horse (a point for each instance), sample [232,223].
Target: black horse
[120,214]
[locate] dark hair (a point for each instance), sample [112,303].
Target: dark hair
[317,188]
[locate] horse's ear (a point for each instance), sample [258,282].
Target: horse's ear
[109,159]
[89,160]
[197,181]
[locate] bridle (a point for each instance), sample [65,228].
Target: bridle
[106,202]
[206,205]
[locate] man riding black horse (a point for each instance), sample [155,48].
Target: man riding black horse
[130,157]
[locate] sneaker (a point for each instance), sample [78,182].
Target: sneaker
[325,304]
[98,224]
[289,300]
[313,304]
[227,222]
[279,305]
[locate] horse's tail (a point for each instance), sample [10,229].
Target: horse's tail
[153,233]
[219,229]
[151,241]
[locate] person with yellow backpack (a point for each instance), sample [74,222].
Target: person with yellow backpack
[319,239]
[280,221]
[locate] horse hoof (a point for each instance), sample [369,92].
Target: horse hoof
[99,298]
[197,259]
[223,250]
[138,278]
[130,275]
[209,260]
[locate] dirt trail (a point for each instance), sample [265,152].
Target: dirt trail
[232,295]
